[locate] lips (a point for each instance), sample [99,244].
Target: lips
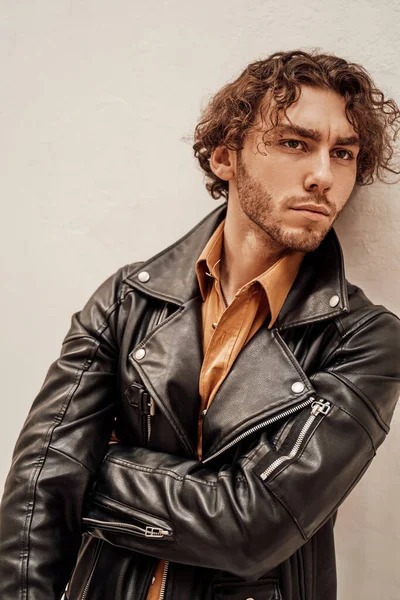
[313,208]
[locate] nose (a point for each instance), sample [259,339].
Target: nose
[319,177]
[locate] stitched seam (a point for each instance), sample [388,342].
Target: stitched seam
[32,486]
[364,399]
[129,507]
[227,475]
[355,327]
[160,471]
[322,317]
[360,424]
[159,295]
[161,324]
[294,363]
[132,269]
[251,457]
[36,474]
[46,443]
[78,462]
[339,326]
[104,325]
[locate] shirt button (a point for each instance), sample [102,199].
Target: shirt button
[334,301]
[214,325]
[139,354]
[203,413]
[143,276]
[298,387]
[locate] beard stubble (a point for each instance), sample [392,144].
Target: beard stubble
[261,208]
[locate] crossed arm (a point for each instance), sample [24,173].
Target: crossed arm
[249,516]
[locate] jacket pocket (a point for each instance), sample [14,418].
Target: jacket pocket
[140,400]
[263,589]
[106,516]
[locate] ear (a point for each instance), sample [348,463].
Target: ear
[223,163]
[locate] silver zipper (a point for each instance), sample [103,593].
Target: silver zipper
[148,427]
[269,421]
[85,590]
[148,532]
[152,405]
[318,407]
[152,413]
[164,581]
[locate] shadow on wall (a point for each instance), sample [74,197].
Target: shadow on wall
[368,230]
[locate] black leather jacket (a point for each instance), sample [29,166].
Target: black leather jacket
[289,434]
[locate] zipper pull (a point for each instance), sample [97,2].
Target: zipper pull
[139,397]
[152,407]
[155,532]
[320,407]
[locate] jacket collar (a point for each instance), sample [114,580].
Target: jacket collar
[319,291]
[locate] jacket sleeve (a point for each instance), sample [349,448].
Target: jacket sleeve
[62,443]
[249,516]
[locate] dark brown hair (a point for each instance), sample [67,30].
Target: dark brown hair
[231,113]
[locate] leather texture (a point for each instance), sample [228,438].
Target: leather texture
[289,434]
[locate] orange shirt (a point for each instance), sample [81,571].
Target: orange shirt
[226,330]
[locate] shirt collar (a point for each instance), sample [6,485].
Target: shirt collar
[207,264]
[275,281]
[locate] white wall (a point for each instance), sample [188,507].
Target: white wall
[95,98]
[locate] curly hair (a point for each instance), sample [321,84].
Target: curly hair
[231,113]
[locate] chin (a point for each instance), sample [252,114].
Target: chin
[305,245]
[297,239]
[306,240]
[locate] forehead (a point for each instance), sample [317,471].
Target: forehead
[316,108]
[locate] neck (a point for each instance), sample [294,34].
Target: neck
[247,252]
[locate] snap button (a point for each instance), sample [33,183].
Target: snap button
[214,325]
[203,413]
[334,301]
[143,276]
[298,387]
[139,354]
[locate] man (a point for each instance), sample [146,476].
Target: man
[213,406]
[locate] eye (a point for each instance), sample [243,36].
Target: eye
[293,144]
[348,155]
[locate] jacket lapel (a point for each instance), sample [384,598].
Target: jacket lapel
[260,381]
[259,385]
[171,367]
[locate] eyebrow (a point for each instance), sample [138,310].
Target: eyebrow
[315,135]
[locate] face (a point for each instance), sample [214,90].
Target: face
[295,188]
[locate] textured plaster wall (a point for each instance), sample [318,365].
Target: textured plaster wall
[95,99]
